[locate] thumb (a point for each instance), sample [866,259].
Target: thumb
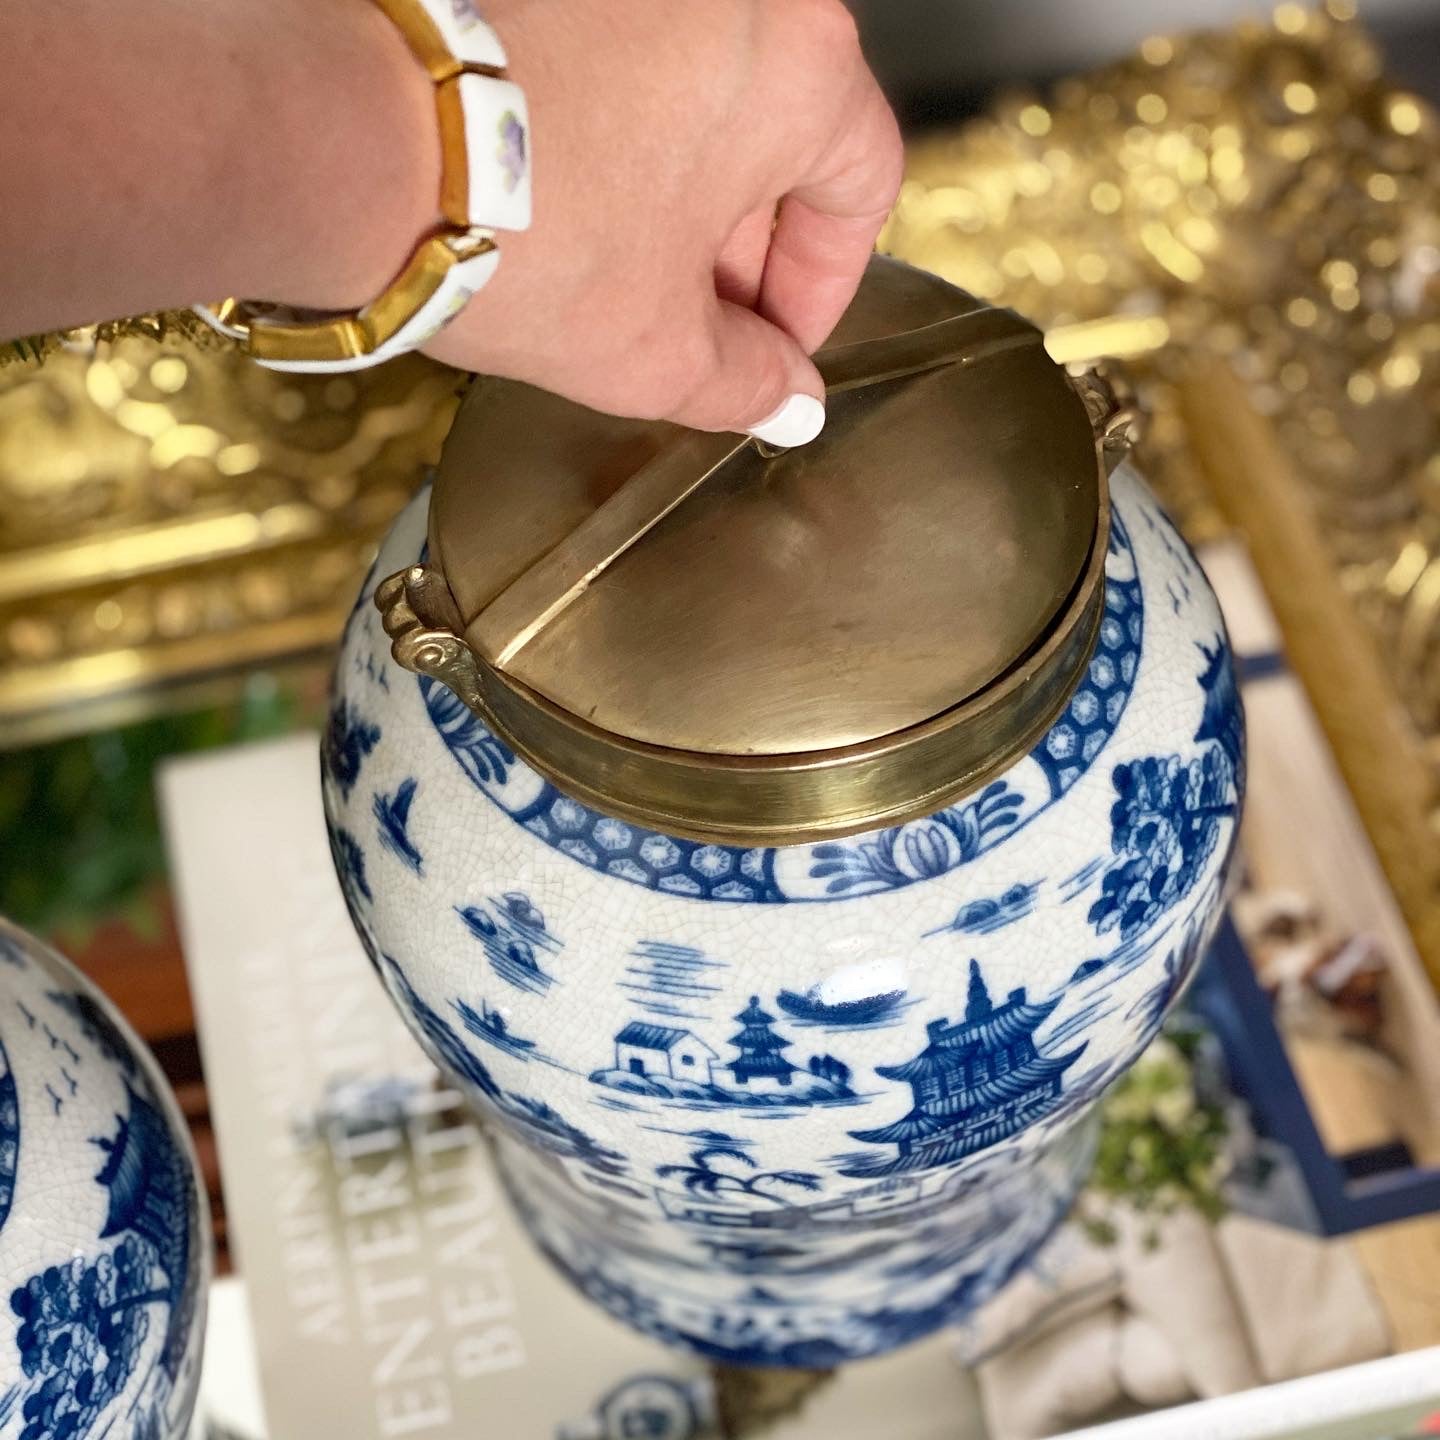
[754,377]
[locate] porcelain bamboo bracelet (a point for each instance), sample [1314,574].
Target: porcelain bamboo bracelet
[484,187]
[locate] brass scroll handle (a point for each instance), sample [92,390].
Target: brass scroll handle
[1115,417]
[420,617]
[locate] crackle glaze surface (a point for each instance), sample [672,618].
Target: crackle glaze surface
[792,1106]
[103,1232]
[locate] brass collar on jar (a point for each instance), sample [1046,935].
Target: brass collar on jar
[757,648]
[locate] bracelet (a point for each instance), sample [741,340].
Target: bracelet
[484,187]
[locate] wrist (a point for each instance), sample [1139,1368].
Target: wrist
[346,178]
[482,138]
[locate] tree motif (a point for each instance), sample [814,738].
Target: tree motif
[349,738]
[1164,825]
[82,1326]
[700,1176]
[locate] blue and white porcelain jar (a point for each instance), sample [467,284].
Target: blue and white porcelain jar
[785,851]
[104,1232]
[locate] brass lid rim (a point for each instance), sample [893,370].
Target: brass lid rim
[746,800]
[635,611]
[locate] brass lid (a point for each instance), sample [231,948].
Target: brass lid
[754,647]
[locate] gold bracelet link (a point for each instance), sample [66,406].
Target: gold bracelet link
[474,99]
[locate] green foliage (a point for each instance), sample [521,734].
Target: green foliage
[80,837]
[1162,1148]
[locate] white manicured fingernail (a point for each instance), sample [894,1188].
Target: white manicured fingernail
[797,422]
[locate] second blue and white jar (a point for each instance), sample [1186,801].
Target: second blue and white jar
[104,1229]
[786,851]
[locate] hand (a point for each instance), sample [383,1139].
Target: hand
[710,177]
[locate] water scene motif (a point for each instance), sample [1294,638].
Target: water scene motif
[724,1184]
[545,1127]
[984,917]
[862,1013]
[671,981]
[759,1326]
[512,932]
[492,1027]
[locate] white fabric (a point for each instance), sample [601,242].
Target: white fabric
[1174,1277]
[1071,1277]
[1148,1366]
[1178,1310]
[1307,1303]
[1054,1382]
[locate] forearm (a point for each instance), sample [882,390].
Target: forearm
[154,153]
[709,179]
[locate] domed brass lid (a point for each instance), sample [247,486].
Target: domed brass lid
[687,631]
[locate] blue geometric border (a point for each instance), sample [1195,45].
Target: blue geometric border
[674,866]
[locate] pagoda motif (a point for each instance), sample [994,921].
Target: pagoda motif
[759,1046]
[976,1083]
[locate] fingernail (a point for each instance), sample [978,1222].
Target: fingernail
[797,422]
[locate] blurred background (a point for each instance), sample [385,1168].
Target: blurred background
[940,60]
[1238,204]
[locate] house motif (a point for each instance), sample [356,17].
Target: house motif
[660,1050]
[977,1082]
